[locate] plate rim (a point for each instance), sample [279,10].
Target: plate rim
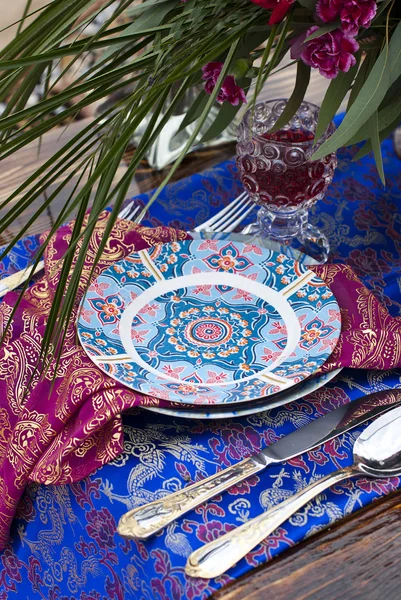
[241,412]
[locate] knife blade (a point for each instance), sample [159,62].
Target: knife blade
[146,520]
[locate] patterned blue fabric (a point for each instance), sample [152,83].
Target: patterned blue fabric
[64,544]
[20,256]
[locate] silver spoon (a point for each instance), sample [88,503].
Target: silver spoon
[377,453]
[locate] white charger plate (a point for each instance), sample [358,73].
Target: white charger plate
[228,412]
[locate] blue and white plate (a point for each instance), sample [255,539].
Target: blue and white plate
[209,322]
[249,408]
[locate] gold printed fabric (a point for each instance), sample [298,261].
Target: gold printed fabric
[60,434]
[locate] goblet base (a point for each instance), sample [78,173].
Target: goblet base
[292,229]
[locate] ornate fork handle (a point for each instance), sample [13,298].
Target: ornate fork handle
[215,558]
[142,522]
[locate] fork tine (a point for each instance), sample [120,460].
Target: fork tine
[223,220]
[129,211]
[133,213]
[125,211]
[227,210]
[235,218]
[223,223]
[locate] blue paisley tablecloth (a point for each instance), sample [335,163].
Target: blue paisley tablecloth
[64,544]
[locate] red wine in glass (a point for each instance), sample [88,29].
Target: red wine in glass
[301,182]
[276,171]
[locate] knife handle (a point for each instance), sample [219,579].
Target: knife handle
[216,557]
[144,521]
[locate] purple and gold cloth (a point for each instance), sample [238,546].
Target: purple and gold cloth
[63,542]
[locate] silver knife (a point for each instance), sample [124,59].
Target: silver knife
[146,520]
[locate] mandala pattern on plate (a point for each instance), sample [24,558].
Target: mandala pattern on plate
[188,336]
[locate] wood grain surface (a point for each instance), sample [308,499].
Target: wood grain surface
[359,559]
[15,169]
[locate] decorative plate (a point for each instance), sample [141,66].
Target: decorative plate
[208,322]
[250,408]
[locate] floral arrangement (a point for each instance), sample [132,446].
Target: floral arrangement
[155,52]
[343,40]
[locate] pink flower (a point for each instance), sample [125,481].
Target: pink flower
[330,53]
[230,91]
[329,10]
[210,74]
[138,336]
[252,248]
[173,372]
[206,245]
[269,355]
[247,296]
[353,14]
[280,8]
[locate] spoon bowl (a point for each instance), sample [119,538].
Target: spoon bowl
[377,451]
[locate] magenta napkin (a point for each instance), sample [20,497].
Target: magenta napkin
[370,337]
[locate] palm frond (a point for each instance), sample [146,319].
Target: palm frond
[154,52]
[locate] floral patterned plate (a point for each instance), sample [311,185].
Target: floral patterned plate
[250,408]
[208,322]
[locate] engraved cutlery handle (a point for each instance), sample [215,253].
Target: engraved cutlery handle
[215,558]
[144,521]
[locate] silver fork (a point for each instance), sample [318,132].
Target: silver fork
[229,217]
[224,221]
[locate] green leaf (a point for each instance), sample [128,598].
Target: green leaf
[388,114]
[251,40]
[225,116]
[195,110]
[365,68]
[278,54]
[150,18]
[265,57]
[308,4]
[100,85]
[377,153]
[53,22]
[384,133]
[138,8]
[326,28]
[381,8]
[395,55]
[30,14]
[335,94]
[201,120]
[386,69]
[297,96]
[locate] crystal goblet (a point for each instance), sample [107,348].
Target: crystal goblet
[276,171]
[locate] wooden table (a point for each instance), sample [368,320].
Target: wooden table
[359,557]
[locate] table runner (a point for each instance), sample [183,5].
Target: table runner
[68,425]
[175,451]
